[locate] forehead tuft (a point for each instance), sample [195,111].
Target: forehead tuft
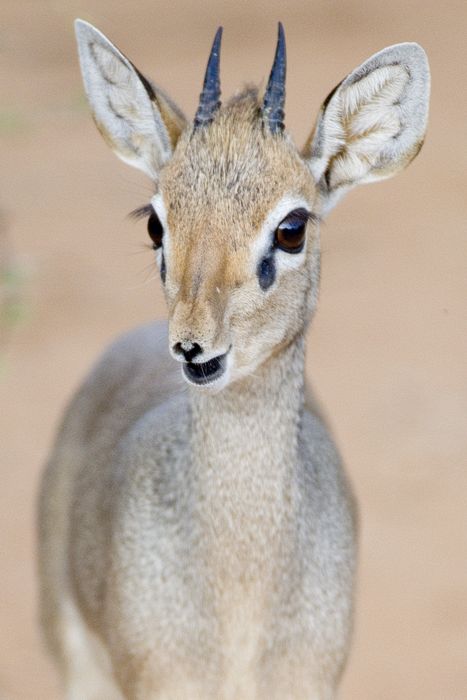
[232,170]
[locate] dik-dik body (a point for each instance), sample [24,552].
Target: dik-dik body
[197,531]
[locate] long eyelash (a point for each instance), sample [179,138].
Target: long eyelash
[314,218]
[301,216]
[141,212]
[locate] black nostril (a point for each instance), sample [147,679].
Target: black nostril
[193,352]
[188,349]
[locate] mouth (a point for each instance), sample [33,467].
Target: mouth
[202,373]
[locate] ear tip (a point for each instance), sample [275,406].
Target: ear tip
[408,51]
[85,30]
[412,48]
[415,57]
[86,34]
[418,53]
[82,27]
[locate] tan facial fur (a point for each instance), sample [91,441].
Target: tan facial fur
[217,213]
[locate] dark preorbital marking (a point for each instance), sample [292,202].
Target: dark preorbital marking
[163,269]
[266,272]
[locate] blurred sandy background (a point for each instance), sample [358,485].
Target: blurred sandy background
[388,348]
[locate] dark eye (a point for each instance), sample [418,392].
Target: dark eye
[155,230]
[290,234]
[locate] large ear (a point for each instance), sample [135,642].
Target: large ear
[373,123]
[137,120]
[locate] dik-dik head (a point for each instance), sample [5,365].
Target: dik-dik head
[235,214]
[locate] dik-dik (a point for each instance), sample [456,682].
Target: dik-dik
[197,531]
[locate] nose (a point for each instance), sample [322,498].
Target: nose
[187,349]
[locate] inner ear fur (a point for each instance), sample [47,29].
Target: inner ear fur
[137,119]
[373,123]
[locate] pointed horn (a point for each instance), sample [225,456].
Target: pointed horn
[274,97]
[209,100]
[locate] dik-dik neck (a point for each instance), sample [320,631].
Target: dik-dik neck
[244,447]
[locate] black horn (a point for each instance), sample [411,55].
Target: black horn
[274,97]
[209,100]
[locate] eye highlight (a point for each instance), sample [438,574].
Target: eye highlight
[290,234]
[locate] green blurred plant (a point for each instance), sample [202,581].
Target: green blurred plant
[12,303]
[12,122]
